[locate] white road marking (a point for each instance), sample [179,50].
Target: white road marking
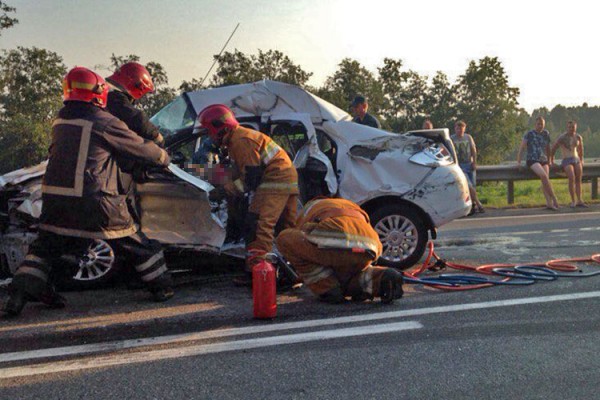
[578,215]
[220,333]
[155,355]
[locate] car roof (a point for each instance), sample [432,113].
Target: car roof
[267,97]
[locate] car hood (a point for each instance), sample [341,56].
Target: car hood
[267,98]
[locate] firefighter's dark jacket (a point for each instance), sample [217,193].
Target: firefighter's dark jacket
[121,106]
[81,191]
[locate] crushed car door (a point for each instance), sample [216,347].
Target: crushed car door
[315,173]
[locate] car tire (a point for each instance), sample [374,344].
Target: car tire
[95,268]
[402,233]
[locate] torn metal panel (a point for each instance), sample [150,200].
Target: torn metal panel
[23,174]
[370,149]
[178,213]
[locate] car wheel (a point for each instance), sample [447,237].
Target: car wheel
[402,233]
[95,267]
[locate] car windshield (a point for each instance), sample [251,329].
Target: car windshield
[175,116]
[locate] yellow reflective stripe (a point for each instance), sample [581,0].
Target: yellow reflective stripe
[35,259]
[151,261]
[89,234]
[84,147]
[269,152]
[316,275]
[279,185]
[342,240]
[153,275]
[239,185]
[82,85]
[33,272]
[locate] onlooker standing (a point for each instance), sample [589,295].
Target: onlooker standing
[537,142]
[571,146]
[427,124]
[359,108]
[467,160]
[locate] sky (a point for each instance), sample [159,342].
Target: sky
[548,48]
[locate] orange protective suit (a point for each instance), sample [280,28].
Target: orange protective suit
[269,180]
[333,246]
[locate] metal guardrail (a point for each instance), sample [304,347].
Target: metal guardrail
[512,173]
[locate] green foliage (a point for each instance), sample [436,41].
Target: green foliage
[236,67]
[489,106]
[30,83]
[30,97]
[5,20]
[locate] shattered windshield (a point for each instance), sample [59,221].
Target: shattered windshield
[175,116]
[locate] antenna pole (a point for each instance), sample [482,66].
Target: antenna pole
[216,58]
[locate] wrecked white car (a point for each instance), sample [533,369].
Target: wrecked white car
[409,184]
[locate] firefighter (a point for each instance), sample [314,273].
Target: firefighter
[82,198]
[128,84]
[332,249]
[267,180]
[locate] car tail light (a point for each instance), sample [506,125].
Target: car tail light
[435,155]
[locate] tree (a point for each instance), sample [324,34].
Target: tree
[6,21]
[439,103]
[151,103]
[30,96]
[351,79]
[404,95]
[489,106]
[236,67]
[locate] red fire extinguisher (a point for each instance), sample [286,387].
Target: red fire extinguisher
[264,290]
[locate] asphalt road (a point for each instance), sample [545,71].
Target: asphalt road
[538,341]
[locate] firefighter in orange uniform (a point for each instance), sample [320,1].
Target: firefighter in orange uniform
[332,249]
[267,179]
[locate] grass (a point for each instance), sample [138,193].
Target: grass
[528,193]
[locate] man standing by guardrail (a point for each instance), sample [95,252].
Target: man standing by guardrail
[466,151]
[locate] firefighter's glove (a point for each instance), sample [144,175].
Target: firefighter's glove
[159,140]
[217,194]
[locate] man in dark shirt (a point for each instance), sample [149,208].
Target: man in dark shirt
[359,108]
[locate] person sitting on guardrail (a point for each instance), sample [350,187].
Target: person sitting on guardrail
[571,146]
[537,143]
[466,152]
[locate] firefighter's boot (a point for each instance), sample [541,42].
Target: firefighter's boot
[390,286]
[15,303]
[333,296]
[52,299]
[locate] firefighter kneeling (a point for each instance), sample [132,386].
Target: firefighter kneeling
[332,249]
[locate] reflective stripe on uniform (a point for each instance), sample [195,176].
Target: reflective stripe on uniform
[150,262]
[279,185]
[316,275]
[84,147]
[366,280]
[269,152]
[117,234]
[38,273]
[239,185]
[155,274]
[35,259]
[342,240]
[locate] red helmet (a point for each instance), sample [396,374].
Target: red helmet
[133,78]
[82,84]
[217,119]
